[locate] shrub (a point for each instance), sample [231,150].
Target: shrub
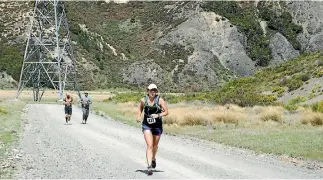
[317,107]
[192,120]
[272,116]
[3,110]
[319,73]
[293,103]
[170,120]
[11,60]
[273,113]
[279,90]
[315,119]
[297,100]
[294,84]
[304,77]
[225,118]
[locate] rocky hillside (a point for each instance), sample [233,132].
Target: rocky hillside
[186,46]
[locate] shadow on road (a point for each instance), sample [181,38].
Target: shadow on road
[145,171]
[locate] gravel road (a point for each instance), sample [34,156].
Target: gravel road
[105,148]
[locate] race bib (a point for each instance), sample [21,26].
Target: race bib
[151,120]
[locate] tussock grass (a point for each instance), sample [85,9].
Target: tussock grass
[192,120]
[313,118]
[169,120]
[272,113]
[212,115]
[270,129]
[225,118]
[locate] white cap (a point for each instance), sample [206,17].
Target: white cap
[152,86]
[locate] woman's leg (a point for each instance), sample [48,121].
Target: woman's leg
[155,146]
[149,141]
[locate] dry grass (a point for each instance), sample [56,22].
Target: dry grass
[192,120]
[225,118]
[207,115]
[269,129]
[272,113]
[313,118]
[170,120]
[203,114]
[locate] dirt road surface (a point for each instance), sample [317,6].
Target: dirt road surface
[105,148]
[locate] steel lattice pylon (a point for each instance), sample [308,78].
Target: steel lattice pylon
[48,59]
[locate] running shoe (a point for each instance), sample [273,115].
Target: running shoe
[150,171]
[153,163]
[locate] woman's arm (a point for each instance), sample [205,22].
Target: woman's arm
[140,108]
[163,105]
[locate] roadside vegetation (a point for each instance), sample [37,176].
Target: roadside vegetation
[270,129]
[10,127]
[241,114]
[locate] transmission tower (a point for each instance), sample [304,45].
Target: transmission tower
[48,60]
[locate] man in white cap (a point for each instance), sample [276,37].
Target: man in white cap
[154,108]
[68,101]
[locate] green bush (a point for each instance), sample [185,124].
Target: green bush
[294,103]
[3,110]
[279,90]
[319,73]
[11,60]
[317,107]
[304,77]
[297,100]
[290,107]
[294,84]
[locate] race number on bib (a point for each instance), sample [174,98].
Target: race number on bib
[151,120]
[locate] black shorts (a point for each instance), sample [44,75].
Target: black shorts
[68,110]
[156,131]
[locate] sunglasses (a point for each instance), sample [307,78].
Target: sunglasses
[153,90]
